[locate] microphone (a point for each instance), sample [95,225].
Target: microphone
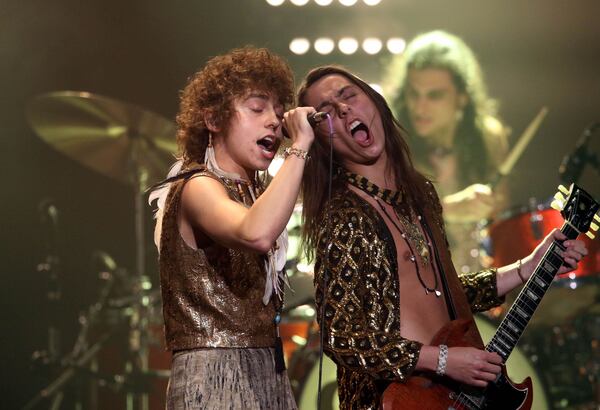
[313,120]
[573,163]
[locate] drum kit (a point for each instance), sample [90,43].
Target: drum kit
[135,146]
[562,341]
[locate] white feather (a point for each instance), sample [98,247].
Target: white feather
[160,196]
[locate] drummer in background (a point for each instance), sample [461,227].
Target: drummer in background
[438,94]
[221,237]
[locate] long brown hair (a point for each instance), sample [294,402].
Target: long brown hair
[316,173]
[441,50]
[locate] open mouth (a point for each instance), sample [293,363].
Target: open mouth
[360,132]
[268,144]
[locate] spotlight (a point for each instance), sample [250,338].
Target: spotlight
[372,45]
[299,46]
[323,2]
[324,45]
[396,45]
[348,3]
[348,45]
[372,2]
[275,165]
[299,2]
[377,88]
[275,2]
[305,267]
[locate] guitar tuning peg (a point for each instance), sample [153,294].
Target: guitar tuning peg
[556,204]
[596,218]
[559,197]
[564,190]
[594,227]
[590,235]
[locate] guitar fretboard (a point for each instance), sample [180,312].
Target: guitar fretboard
[518,316]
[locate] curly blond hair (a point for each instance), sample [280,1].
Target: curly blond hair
[209,94]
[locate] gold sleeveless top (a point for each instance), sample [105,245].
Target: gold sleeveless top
[212,297]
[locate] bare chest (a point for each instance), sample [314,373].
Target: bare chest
[422,313]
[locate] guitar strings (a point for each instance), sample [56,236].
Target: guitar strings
[463,400]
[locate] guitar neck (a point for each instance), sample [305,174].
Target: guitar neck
[519,314]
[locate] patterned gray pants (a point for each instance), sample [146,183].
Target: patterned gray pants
[232,379]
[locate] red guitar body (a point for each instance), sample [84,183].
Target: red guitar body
[440,393]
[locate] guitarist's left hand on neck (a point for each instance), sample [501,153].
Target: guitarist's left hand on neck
[514,275]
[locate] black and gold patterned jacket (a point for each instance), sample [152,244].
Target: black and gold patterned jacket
[362,309]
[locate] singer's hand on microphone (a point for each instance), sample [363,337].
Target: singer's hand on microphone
[298,128]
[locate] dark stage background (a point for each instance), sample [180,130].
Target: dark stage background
[534,53]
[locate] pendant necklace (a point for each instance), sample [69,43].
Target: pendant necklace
[413,259]
[411,233]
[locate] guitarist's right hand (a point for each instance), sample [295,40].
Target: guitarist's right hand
[472,366]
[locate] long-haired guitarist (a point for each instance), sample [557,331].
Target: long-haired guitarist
[385,281]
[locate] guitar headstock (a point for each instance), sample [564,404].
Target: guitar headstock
[578,208]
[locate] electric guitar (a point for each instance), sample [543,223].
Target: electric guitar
[579,210]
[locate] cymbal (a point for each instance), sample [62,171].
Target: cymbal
[117,139]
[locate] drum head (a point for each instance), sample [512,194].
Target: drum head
[516,234]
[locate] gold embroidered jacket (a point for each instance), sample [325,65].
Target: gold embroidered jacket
[362,309]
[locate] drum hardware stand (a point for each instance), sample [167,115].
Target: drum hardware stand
[80,355]
[137,146]
[50,267]
[138,333]
[136,366]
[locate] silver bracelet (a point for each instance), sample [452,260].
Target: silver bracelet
[442,359]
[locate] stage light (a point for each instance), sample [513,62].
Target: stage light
[396,45]
[275,165]
[299,46]
[305,267]
[348,45]
[348,3]
[324,45]
[275,2]
[299,2]
[372,45]
[377,88]
[372,2]
[323,2]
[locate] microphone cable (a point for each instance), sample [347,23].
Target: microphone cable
[326,261]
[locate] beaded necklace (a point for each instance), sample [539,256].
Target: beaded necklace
[404,224]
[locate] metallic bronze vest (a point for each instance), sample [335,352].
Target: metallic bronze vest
[212,297]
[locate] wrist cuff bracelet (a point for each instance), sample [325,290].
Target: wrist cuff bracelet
[300,153]
[442,359]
